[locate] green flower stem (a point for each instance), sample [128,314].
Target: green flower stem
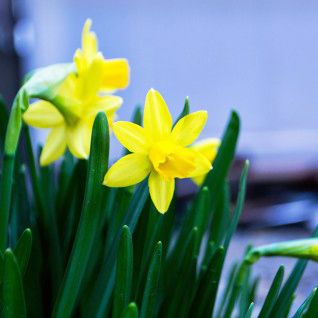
[89,221]
[47,220]
[10,148]
[5,198]
[238,284]
[304,248]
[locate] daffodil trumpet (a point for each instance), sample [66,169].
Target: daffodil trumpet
[158,150]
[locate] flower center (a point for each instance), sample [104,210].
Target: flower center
[172,161]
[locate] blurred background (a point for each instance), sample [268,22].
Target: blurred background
[260,58]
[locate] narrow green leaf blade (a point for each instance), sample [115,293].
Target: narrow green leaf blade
[287,291]
[250,311]
[236,290]
[272,294]
[304,305]
[290,286]
[89,222]
[130,312]
[149,302]
[185,111]
[223,160]
[229,285]
[123,273]
[12,302]
[1,267]
[179,295]
[102,292]
[23,250]
[239,206]
[204,300]
[4,118]
[313,307]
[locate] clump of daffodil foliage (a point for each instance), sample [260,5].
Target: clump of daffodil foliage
[81,239]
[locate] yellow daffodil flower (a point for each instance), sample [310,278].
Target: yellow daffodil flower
[70,114]
[208,148]
[115,72]
[158,150]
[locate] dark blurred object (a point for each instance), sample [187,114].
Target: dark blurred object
[9,60]
[276,199]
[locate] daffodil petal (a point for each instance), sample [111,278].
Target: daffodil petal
[54,146]
[80,61]
[203,165]
[157,119]
[42,114]
[199,179]
[79,138]
[115,74]
[132,136]
[92,78]
[207,147]
[128,170]
[161,191]
[89,40]
[107,104]
[188,128]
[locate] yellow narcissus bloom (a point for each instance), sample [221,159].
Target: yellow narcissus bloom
[158,150]
[115,72]
[70,114]
[208,148]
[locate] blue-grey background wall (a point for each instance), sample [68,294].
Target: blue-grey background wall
[259,57]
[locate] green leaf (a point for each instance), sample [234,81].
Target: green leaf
[313,307]
[1,267]
[272,294]
[152,227]
[130,312]
[290,286]
[64,181]
[89,222]
[12,302]
[250,311]
[23,250]
[223,161]
[239,206]
[5,198]
[304,305]
[253,289]
[185,111]
[102,292]
[197,216]
[220,217]
[288,307]
[137,116]
[33,279]
[123,273]
[149,301]
[123,197]
[204,300]
[4,118]
[245,293]
[287,291]
[70,211]
[237,288]
[229,285]
[179,295]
